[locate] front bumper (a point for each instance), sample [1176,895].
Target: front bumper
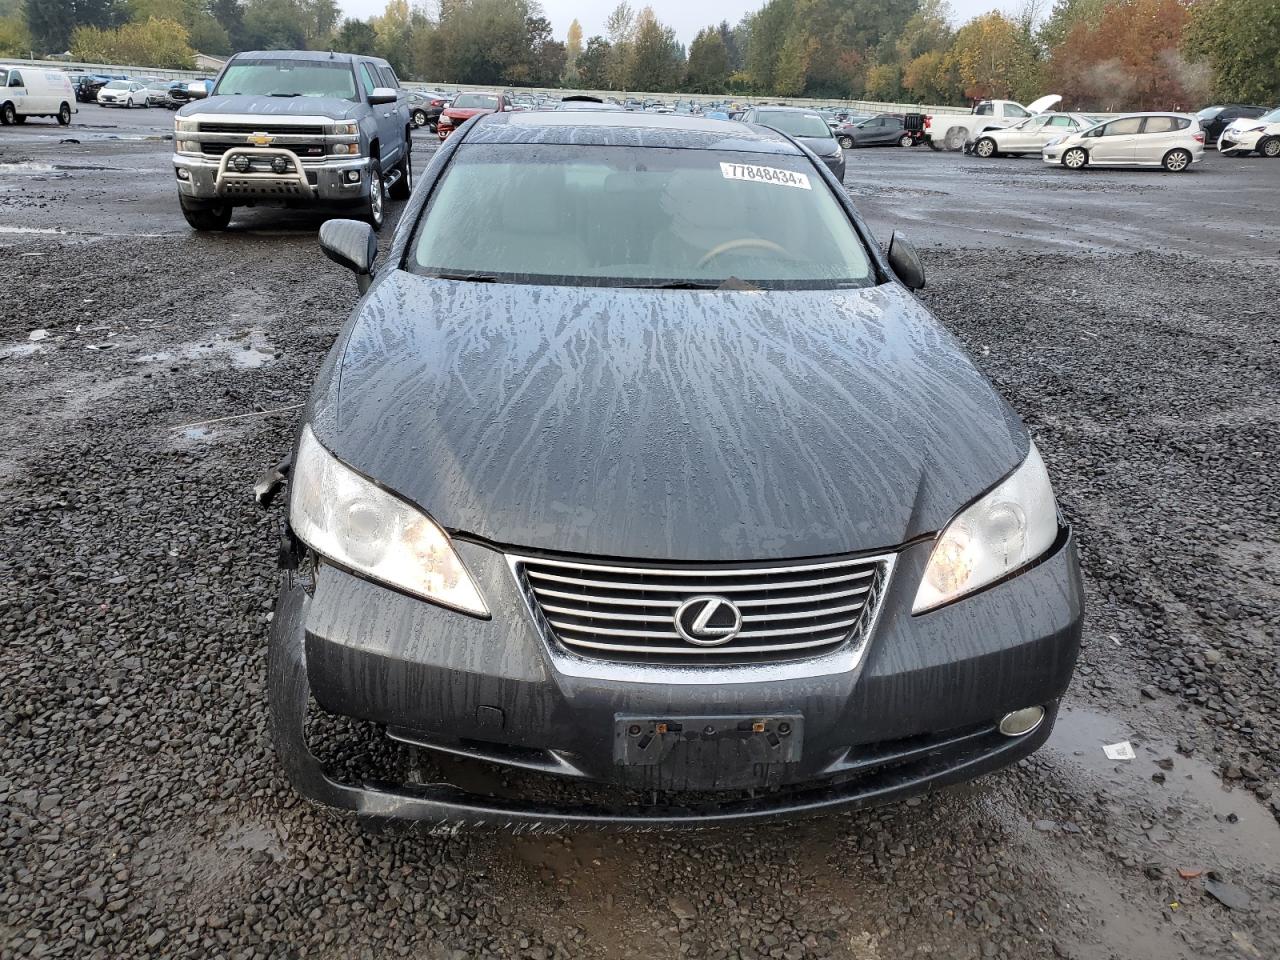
[836,164]
[1238,142]
[918,712]
[326,181]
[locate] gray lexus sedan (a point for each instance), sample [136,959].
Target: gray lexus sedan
[639,476]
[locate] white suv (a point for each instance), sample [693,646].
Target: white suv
[1173,141]
[1246,134]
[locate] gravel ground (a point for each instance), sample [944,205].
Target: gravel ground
[141,810]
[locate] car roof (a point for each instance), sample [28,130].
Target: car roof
[307,55]
[622,129]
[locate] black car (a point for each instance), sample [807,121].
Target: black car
[426,106]
[806,127]
[639,474]
[885,130]
[1213,120]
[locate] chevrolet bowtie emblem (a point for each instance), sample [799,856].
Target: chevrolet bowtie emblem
[260,139]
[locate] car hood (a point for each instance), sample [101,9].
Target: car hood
[1044,103]
[259,106]
[672,425]
[465,113]
[822,146]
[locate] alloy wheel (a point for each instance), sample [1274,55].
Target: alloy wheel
[1074,158]
[986,147]
[1271,148]
[1177,161]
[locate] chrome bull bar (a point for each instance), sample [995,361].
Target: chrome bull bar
[262,182]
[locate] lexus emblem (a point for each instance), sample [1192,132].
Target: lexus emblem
[708,621]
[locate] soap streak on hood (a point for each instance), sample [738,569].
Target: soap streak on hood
[664,424]
[332,108]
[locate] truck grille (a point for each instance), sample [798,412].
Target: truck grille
[275,130]
[629,612]
[303,150]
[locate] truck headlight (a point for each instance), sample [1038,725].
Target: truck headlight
[344,129]
[344,148]
[357,525]
[1003,530]
[185,126]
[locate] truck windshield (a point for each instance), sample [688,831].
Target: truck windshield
[288,78]
[637,217]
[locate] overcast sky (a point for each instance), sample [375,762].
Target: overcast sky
[686,16]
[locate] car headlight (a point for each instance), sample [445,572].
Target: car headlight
[185,126]
[357,525]
[344,129]
[1248,130]
[1005,529]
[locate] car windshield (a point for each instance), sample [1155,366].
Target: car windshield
[1208,113]
[621,216]
[1272,117]
[288,78]
[794,124]
[117,85]
[475,101]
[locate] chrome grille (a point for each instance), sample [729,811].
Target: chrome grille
[628,612]
[275,130]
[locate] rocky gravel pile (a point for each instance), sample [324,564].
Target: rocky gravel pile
[141,810]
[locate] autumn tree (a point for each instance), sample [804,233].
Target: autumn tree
[654,60]
[157,43]
[573,43]
[993,58]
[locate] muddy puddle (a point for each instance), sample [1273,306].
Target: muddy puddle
[1209,823]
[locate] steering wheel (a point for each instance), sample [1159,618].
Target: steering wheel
[740,243]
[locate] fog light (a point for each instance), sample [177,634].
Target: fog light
[279,164]
[1021,722]
[241,163]
[353,176]
[184,174]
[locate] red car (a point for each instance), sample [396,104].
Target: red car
[467,105]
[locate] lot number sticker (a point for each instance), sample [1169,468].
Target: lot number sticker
[745,171]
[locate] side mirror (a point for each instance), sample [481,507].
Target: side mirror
[352,244]
[904,260]
[197,91]
[382,95]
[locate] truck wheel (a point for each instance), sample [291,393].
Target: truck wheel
[1270,147]
[64,115]
[376,201]
[403,188]
[846,142]
[206,218]
[8,115]
[985,148]
[956,137]
[906,140]
[1075,159]
[1175,161]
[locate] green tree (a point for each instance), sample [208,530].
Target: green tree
[230,16]
[1065,14]
[654,61]
[51,22]
[1240,39]
[768,29]
[273,25]
[356,36]
[593,65]
[927,31]
[884,82]
[15,41]
[708,68]
[156,43]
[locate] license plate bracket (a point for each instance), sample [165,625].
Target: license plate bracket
[647,740]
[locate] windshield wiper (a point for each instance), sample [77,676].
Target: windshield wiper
[284,94]
[729,283]
[473,277]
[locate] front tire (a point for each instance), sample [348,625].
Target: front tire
[1176,161]
[207,218]
[129,104]
[375,203]
[64,115]
[846,142]
[1270,147]
[985,148]
[1075,158]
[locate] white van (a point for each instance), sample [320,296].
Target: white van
[35,92]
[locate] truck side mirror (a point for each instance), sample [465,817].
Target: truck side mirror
[906,262]
[352,244]
[197,91]
[381,95]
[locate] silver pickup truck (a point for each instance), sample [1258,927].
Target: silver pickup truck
[296,127]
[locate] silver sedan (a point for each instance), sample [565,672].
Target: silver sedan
[1030,135]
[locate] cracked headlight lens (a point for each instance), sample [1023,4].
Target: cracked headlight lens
[354,523]
[1007,528]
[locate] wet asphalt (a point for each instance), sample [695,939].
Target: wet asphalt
[1128,316]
